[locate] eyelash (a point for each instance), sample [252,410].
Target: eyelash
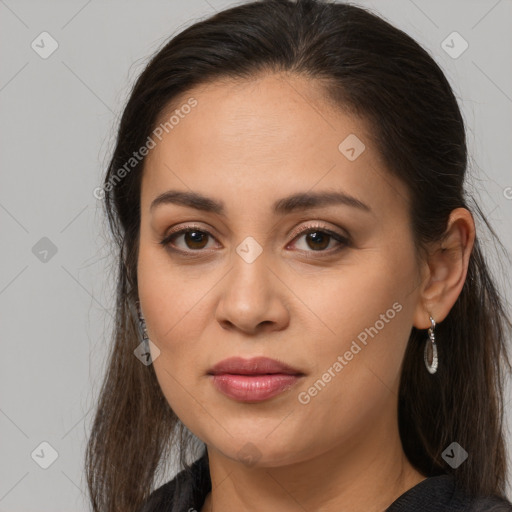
[343,241]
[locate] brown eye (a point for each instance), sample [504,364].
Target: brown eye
[194,240]
[318,240]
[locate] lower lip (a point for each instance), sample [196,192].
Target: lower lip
[253,388]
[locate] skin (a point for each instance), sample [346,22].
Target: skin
[249,143]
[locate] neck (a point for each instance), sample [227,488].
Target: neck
[362,475]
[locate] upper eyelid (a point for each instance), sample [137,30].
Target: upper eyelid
[295,233]
[305,229]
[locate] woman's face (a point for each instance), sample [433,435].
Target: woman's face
[263,275]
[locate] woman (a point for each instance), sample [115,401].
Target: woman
[319,329]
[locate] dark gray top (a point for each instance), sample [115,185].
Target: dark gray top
[187,492]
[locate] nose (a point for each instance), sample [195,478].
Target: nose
[253,298]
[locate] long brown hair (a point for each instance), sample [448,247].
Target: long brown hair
[380,73]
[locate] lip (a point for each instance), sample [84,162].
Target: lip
[253,380]
[253,366]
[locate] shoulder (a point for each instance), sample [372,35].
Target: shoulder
[163,498]
[186,491]
[481,503]
[489,504]
[441,494]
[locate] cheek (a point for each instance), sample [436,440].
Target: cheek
[181,365]
[357,367]
[346,301]
[173,296]
[363,314]
[172,306]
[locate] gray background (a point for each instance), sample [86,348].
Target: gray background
[58,120]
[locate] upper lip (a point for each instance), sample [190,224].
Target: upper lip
[253,366]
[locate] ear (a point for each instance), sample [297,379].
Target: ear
[446,269]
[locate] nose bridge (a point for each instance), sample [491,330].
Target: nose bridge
[251,294]
[249,286]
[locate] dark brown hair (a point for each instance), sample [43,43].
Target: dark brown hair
[378,72]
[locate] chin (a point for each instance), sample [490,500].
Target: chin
[258,453]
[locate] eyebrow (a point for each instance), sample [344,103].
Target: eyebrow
[292,203]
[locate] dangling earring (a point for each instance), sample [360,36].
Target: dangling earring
[142,328]
[430,352]
[144,353]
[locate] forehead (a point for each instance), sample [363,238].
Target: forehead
[266,113]
[257,138]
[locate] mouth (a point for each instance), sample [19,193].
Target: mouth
[253,366]
[253,380]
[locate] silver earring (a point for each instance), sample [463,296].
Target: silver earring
[142,328]
[430,352]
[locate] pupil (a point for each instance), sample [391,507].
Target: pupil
[319,237]
[194,234]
